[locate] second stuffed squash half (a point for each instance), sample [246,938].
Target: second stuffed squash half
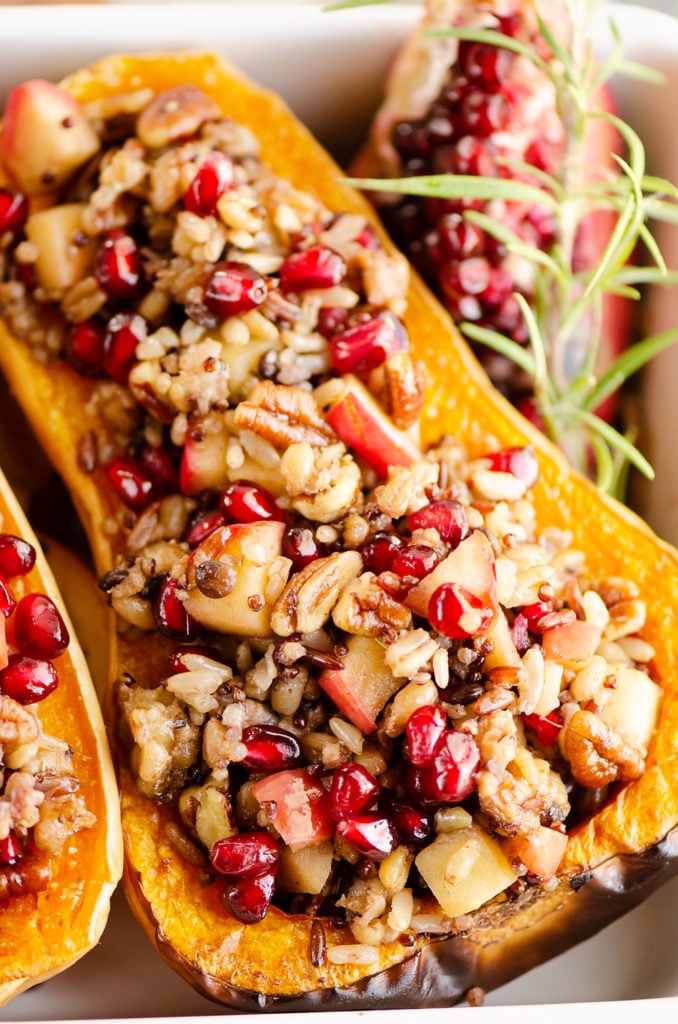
[394,697]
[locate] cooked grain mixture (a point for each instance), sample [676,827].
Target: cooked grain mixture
[383,683]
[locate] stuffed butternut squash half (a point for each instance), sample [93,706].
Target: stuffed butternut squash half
[60,839]
[393,697]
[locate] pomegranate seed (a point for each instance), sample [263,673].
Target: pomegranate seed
[520,633]
[28,680]
[353,789]
[414,825]
[160,467]
[301,547]
[214,178]
[84,347]
[203,527]
[246,854]
[17,556]
[269,749]
[468,155]
[460,238]
[366,345]
[425,728]
[125,331]
[331,319]
[520,461]
[245,502]
[546,727]
[131,481]
[455,767]
[248,899]
[488,64]
[457,613]
[370,833]
[484,113]
[379,552]
[117,266]
[446,516]
[13,211]
[10,852]
[7,598]
[543,155]
[233,288]
[39,628]
[414,562]
[317,267]
[533,613]
[169,613]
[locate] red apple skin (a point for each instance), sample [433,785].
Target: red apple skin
[243,611]
[363,685]
[300,806]
[470,565]
[45,137]
[203,463]
[363,426]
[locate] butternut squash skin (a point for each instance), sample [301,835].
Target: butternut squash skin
[42,934]
[613,860]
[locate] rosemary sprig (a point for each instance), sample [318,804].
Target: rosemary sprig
[567,304]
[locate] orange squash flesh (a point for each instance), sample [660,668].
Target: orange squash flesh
[613,860]
[42,934]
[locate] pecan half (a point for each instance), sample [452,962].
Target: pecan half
[364,607]
[307,601]
[283,415]
[404,388]
[598,754]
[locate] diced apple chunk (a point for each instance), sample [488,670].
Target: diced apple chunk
[203,461]
[471,565]
[464,869]
[298,806]
[541,852]
[306,868]
[65,254]
[254,552]
[572,644]
[632,706]
[46,136]
[364,684]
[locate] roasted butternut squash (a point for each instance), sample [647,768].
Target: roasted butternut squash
[615,855]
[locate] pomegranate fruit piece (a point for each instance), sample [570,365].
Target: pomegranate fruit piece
[316,267]
[414,824]
[269,749]
[13,211]
[28,680]
[203,527]
[169,613]
[457,613]
[245,854]
[414,562]
[545,727]
[352,790]
[214,178]
[534,613]
[245,502]
[10,851]
[17,556]
[366,345]
[7,599]
[425,729]
[455,767]
[520,461]
[446,516]
[379,552]
[123,334]
[117,266]
[249,898]
[371,834]
[160,467]
[39,628]
[84,347]
[131,481]
[301,547]
[234,288]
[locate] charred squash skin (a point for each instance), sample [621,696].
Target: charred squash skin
[42,934]
[613,860]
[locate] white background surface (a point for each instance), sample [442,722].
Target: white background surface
[631,969]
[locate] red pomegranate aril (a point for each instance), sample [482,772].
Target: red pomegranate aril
[414,824]
[28,680]
[84,347]
[10,851]
[169,613]
[534,613]
[245,854]
[468,155]
[459,237]
[425,729]
[331,319]
[160,466]
[483,113]
[233,288]
[366,345]
[246,502]
[316,267]
[131,481]
[269,749]
[214,178]
[203,527]
[7,598]
[379,552]
[301,547]
[520,461]
[446,516]
[13,211]
[124,332]
[352,790]
[488,64]
[371,834]
[39,628]
[415,561]
[545,727]
[457,613]
[117,266]
[249,898]
[455,767]
[17,556]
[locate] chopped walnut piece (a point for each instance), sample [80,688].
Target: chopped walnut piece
[405,488]
[323,482]
[365,608]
